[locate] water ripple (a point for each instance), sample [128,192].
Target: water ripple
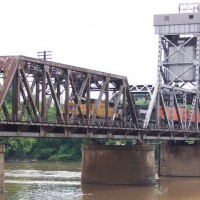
[42,174]
[68,183]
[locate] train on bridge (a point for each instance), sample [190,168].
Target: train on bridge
[101,111]
[184,113]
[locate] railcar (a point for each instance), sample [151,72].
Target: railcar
[101,111]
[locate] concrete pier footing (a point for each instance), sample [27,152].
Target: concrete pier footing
[2,186]
[128,165]
[179,160]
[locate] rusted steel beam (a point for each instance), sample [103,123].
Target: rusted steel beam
[66,101]
[26,100]
[15,95]
[55,97]
[70,67]
[41,82]
[98,101]
[124,110]
[44,88]
[88,97]
[28,89]
[107,103]
[116,102]
[25,104]
[8,65]
[37,94]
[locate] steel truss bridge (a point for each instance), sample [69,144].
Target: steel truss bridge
[45,99]
[32,88]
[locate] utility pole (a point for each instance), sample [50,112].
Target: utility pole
[45,55]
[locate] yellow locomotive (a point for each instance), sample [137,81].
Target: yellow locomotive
[101,111]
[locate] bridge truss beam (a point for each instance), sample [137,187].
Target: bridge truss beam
[33,89]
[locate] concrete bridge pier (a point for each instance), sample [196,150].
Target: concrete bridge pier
[124,165]
[179,160]
[2,186]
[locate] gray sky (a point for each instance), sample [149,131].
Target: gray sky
[113,36]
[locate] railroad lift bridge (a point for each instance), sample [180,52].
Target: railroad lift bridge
[32,89]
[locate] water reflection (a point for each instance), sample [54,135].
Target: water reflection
[169,189]
[111,192]
[174,188]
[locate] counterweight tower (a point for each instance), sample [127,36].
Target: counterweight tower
[177,90]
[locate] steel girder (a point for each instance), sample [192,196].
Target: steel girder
[33,89]
[176,94]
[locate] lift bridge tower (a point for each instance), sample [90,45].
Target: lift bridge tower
[176,94]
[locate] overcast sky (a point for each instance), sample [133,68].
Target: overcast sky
[113,36]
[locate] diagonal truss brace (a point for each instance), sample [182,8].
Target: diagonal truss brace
[9,67]
[28,89]
[78,96]
[54,95]
[98,101]
[116,103]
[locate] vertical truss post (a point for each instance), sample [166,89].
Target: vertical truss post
[180,119]
[197,83]
[37,94]
[124,100]
[171,104]
[159,75]
[88,98]
[67,100]
[44,88]
[185,110]
[58,91]
[107,103]
[58,94]
[163,105]
[15,96]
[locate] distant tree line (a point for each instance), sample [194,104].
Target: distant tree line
[50,149]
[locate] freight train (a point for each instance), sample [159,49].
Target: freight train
[100,111]
[141,110]
[184,114]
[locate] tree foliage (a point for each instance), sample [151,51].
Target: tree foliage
[51,149]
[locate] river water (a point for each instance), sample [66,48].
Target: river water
[61,181]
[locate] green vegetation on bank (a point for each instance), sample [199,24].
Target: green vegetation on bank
[50,149]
